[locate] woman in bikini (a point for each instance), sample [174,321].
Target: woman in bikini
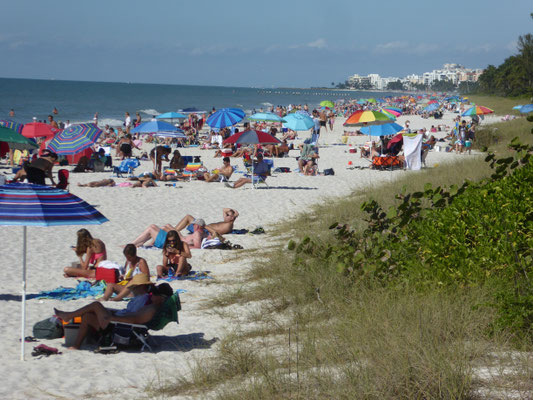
[175,255]
[134,265]
[90,252]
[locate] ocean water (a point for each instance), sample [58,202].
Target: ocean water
[78,101]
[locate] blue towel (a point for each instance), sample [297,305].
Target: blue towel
[83,290]
[192,276]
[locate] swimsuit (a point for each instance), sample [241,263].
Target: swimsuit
[94,257]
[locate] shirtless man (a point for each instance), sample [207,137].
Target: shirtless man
[103,182]
[215,229]
[226,170]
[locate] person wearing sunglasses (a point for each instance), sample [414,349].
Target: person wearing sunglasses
[175,255]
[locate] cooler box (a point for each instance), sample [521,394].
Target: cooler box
[110,275]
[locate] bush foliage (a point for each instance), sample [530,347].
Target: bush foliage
[478,234]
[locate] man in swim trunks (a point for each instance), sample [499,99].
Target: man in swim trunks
[225,171]
[215,229]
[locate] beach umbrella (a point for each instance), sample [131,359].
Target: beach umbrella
[14,126]
[382,130]
[298,122]
[368,118]
[372,100]
[432,107]
[16,140]
[153,127]
[251,136]
[477,110]
[225,117]
[327,103]
[361,101]
[518,107]
[266,116]
[26,205]
[192,110]
[399,110]
[394,140]
[171,115]
[526,109]
[390,113]
[178,134]
[75,139]
[38,129]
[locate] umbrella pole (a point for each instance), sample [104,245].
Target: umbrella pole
[23,300]
[253,184]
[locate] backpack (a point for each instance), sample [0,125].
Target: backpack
[329,171]
[49,328]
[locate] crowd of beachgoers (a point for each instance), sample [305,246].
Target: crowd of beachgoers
[193,179]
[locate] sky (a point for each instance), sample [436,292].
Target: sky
[290,43]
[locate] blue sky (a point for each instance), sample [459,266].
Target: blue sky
[249,43]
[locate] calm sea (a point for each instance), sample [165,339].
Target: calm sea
[78,101]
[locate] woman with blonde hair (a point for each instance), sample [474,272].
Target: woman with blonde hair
[90,252]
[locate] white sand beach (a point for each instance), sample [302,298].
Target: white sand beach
[126,374]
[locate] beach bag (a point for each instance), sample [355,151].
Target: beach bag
[49,328]
[329,171]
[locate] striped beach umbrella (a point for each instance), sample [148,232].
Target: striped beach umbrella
[477,110]
[362,118]
[14,126]
[393,110]
[26,204]
[225,117]
[75,139]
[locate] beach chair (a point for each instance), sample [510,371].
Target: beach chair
[386,163]
[127,335]
[127,166]
[191,169]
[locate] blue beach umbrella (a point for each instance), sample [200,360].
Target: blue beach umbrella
[382,130]
[74,139]
[298,122]
[172,134]
[526,109]
[225,117]
[432,107]
[153,127]
[26,204]
[171,115]
[267,117]
[518,107]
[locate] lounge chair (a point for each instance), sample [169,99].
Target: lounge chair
[127,166]
[124,334]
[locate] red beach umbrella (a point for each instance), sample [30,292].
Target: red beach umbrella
[252,136]
[39,129]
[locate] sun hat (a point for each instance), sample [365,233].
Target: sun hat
[138,280]
[198,221]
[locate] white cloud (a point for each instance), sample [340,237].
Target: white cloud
[318,44]
[391,46]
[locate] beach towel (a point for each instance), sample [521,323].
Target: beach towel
[239,231]
[191,276]
[82,290]
[412,149]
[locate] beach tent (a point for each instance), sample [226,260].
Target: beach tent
[26,204]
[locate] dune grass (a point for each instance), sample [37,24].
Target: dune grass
[322,336]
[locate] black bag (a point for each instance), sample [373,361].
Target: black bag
[329,171]
[49,328]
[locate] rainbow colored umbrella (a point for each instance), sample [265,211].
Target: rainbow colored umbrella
[394,109]
[391,111]
[477,110]
[361,118]
[225,117]
[14,126]
[26,204]
[75,139]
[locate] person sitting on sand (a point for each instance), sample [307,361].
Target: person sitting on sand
[90,252]
[279,150]
[101,183]
[156,236]
[142,309]
[223,172]
[308,155]
[177,161]
[229,216]
[175,255]
[261,170]
[134,265]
